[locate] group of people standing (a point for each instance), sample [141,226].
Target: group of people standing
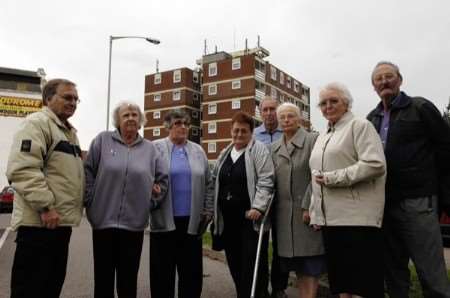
[357,201]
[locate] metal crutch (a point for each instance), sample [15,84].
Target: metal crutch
[258,248]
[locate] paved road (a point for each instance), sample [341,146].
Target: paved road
[79,280]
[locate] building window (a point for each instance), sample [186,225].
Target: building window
[236,84]
[157,78]
[156,115]
[235,104]
[273,73]
[212,108]
[273,92]
[212,127]
[281,78]
[177,76]
[176,95]
[212,69]
[236,63]
[296,86]
[194,131]
[195,96]
[195,77]
[156,132]
[195,114]
[212,89]
[211,147]
[157,97]
[288,82]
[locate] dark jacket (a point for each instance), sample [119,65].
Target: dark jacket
[417,149]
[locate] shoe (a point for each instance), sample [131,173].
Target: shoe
[279,294]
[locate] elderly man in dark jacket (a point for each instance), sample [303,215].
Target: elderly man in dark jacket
[416,143]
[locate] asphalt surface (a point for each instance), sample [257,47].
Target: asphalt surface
[79,279]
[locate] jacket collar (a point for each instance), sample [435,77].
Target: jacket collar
[58,121]
[170,145]
[400,102]
[298,140]
[116,136]
[341,122]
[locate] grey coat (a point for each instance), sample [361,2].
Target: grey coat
[161,219]
[260,180]
[293,196]
[119,181]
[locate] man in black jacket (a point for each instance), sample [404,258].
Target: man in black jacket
[416,142]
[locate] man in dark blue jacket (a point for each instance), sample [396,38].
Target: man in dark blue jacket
[416,143]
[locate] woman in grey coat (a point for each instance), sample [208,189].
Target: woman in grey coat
[177,226]
[300,247]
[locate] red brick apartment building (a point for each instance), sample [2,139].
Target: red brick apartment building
[173,89]
[230,82]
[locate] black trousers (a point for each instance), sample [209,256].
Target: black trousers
[278,279]
[240,251]
[176,251]
[117,254]
[40,262]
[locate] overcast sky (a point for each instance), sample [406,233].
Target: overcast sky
[315,41]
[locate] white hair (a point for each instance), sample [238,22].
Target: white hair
[341,89]
[289,106]
[130,104]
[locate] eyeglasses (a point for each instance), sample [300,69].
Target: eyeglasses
[180,123]
[325,102]
[388,77]
[70,98]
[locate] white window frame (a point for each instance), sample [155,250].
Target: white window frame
[157,115]
[212,108]
[195,114]
[273,92]
[156,132]
[236,84]
[177,76]
[157,97]
[273,73]
[212,147]
[281,78]
[178,97]
[194,131]
[157,79]
[235,104]
[236,63]
[288,81]
[212,89]
[212,127]
[296,86]
[212,69]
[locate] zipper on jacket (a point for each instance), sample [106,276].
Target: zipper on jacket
[124,188]
[322,168]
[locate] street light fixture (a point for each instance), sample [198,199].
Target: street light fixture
[111,38]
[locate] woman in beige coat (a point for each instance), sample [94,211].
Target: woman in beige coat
[348,196]
[300,247]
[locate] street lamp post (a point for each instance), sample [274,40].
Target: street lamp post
[111,38]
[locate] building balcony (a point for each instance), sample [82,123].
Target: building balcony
[259,75]
[259,95]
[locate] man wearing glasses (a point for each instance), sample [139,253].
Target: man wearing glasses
[46,171]
[416,143]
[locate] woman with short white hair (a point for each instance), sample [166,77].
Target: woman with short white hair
[349,168]
[121,170]
[300,247]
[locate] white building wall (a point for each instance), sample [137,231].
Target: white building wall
[8,127]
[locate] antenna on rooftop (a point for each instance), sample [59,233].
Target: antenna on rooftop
[258,41]
[157,65]
[246,46]
[234,38]
[205,49]
[215,49]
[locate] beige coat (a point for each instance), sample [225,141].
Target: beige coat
[292,197]
[350,156]
[46,171]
